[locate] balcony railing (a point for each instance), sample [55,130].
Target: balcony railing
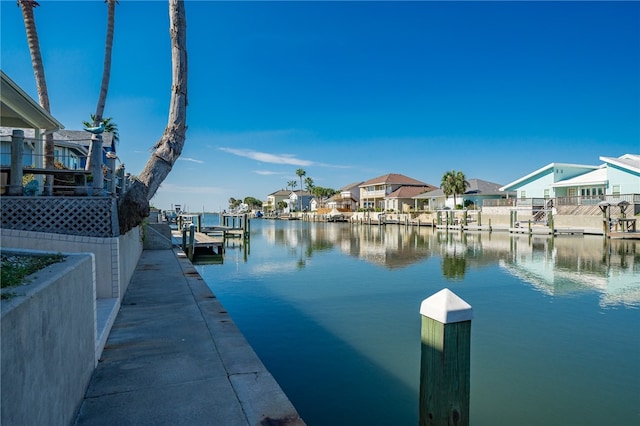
[562,201]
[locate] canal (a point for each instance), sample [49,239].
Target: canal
[332,310]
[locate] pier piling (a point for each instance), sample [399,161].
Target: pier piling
[445,360]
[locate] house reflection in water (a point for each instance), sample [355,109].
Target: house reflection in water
[562,266]
[556,266]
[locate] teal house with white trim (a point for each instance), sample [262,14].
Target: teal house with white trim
[615,177]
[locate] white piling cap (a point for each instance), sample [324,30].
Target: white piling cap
[446,307]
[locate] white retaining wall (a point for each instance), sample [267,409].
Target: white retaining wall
[116,257]
[48,352]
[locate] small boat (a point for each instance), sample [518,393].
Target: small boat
[335,216]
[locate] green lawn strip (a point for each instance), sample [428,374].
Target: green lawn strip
[16,267]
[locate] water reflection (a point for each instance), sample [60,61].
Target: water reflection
[337,305]
[556,266]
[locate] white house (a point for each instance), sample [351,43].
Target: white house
[347,199]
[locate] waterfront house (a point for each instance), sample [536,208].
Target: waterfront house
[71,147]
[402,199]
[347,199]
[66,141]
[270,205]
[477,192]
[615,177]
[293,202]
[374,191]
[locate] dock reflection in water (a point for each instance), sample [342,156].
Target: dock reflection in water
[332,310]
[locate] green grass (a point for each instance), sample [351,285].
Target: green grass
[16,267]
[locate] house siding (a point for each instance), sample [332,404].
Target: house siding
[628,181]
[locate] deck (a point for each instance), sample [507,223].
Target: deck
[203,243]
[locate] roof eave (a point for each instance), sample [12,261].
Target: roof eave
[22,111]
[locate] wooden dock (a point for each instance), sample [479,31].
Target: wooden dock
[628,235]
[201,243]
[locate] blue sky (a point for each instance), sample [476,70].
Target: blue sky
[348,91]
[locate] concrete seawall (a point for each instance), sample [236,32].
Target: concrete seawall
[174,356]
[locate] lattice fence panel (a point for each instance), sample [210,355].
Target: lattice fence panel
[86,216]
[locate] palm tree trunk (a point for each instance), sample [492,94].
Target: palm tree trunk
[41,84]
[134,206]
[106,74]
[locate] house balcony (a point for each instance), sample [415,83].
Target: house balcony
[381,193]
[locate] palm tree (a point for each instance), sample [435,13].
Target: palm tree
[308,184]
[27,7]
[300,173]
[106,74]
[453,182]
[292,184]
[134,206]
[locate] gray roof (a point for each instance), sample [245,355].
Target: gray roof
[482,187]
[82,137]
[350,186]
[475,186]
[69,138]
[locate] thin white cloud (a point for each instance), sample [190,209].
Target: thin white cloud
[190,159]
[265,157]
[269,173]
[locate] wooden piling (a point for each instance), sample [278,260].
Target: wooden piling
[192,241]
[445,360]
[17,150]
[96,165]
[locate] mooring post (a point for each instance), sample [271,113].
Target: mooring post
[479,218]
[111,173]
[96,165]
[184,240]
[17,151]
[192,241]
[445,360]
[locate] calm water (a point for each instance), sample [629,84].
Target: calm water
[333,312]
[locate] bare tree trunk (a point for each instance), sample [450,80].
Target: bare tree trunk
[41,84]
[106,75]
[134,206]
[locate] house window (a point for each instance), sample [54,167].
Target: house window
[73,162]
[56,154]
[523,194]
[27,157]
[546,193]
[616,190]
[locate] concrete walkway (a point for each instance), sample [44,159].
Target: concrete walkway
[175,357]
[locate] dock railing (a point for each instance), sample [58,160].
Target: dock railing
[22,171]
